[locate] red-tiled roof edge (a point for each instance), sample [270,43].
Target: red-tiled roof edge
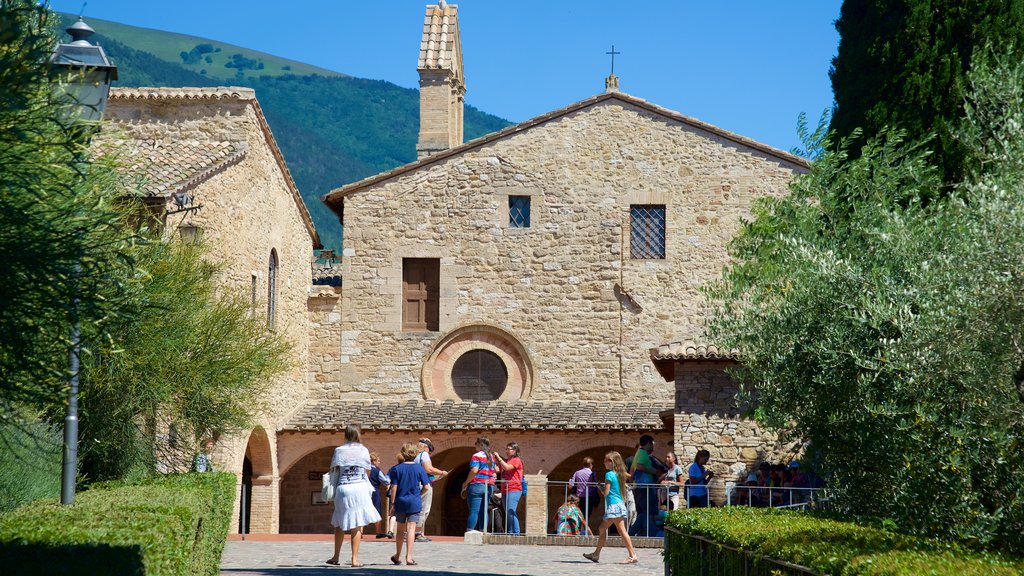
[334,196]
[235,93]
[666,356]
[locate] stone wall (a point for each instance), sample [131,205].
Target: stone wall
[248,211]
[706,416]
[565,288]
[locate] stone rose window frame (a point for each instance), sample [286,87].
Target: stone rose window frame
[436,374]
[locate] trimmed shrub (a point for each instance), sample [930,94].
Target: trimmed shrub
[163,526]
[824,545]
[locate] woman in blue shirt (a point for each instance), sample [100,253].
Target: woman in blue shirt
[615,512]
[697,496]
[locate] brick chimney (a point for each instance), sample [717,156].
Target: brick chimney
[442,84]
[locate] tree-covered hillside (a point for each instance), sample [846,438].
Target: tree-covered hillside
[331,130]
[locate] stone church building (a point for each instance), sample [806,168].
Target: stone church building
[540,285]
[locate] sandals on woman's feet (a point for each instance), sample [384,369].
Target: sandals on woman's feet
[395,560]
[590,556]
[631,560]
[412,562]
[333,562]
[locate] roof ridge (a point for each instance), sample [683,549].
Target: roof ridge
[335,195]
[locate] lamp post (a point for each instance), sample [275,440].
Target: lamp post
[87,76]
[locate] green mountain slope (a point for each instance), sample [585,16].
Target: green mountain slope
[332,129]
[208,57]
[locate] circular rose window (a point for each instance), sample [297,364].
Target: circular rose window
[477,363]
[479,376]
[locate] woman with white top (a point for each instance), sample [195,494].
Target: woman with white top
[353,507]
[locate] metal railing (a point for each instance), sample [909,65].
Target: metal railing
[653,502]
[692,555]
[774,497]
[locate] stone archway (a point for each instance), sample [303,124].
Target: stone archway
[450,511]
[259,514]
[301,509]
[561,473]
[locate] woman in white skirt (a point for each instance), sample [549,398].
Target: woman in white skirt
[353,507]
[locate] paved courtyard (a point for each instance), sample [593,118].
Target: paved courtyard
[306,558]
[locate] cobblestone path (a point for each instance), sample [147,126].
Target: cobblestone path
[306,558]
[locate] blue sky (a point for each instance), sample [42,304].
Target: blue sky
[747,66]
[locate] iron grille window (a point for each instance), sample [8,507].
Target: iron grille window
[479,376]
[647,232]
[519,211]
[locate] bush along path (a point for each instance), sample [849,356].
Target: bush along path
[822,545]
[161,526]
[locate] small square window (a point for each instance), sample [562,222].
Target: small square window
[647,232]
[518,211]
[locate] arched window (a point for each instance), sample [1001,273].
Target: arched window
[479,376]
[272,289]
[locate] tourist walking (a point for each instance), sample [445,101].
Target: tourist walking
[353,507]
[584,485]
[613,489]
[697,490]
[408,483]
[479,484]
[426,448]
[510,468]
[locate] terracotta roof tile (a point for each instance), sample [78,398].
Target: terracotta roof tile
[691,351]
[440,38]
[666,356]
[171,165]
[433,415]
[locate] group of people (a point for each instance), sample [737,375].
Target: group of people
[359,480]
[658,487]
[489,468]
[774,485]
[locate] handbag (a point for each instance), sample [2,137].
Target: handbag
[330,480]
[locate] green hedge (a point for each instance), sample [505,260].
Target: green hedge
[824,545]
[164,526]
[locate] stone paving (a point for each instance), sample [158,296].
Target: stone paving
[306,558]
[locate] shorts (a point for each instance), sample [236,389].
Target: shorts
[615,511]
[403,517]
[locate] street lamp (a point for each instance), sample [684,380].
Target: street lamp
[88,74]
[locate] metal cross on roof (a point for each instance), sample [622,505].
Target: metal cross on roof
[613,53]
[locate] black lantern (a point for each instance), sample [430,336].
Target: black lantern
[89,73]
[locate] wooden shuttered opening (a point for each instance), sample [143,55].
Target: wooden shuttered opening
[421,287]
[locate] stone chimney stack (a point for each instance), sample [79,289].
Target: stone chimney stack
[442,84]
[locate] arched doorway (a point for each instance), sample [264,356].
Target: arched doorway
[302,511]
[449,511]
[564,471]
[245,501]
[257,485]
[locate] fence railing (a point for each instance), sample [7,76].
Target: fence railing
[774,497]
[503,511]
[692,555]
